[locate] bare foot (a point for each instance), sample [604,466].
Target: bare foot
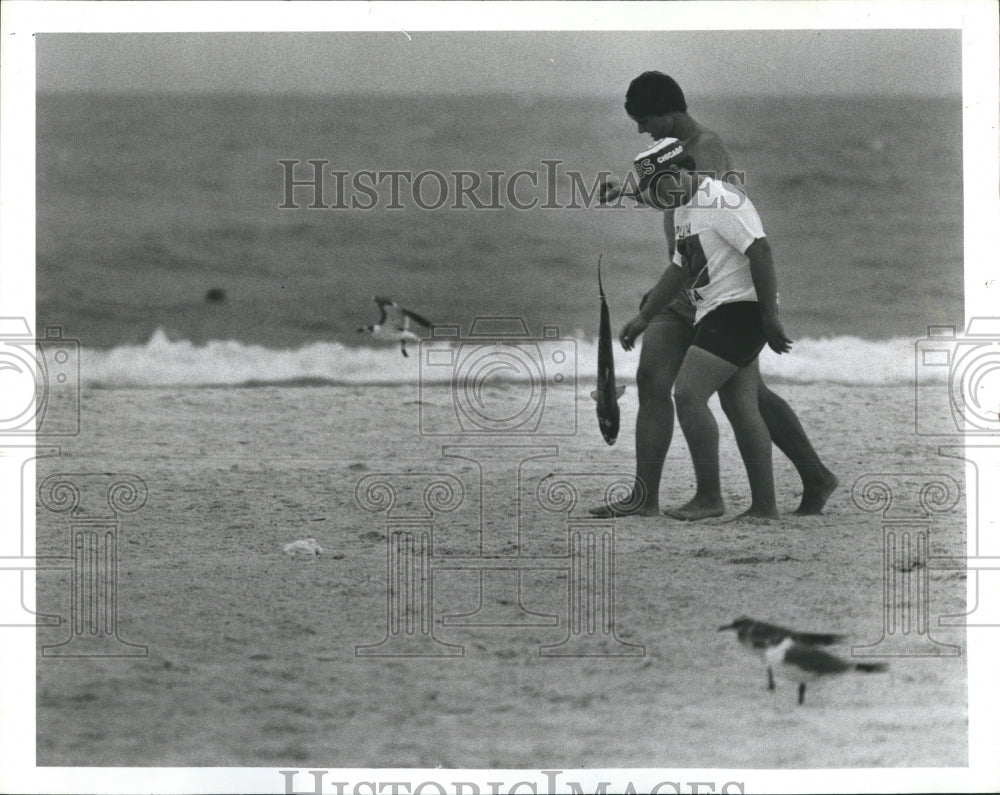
[814,496]
[697,508]
[626,507]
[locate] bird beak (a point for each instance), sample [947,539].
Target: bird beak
[728,626]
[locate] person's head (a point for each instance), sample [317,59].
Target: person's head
[675,186]
[665,173]
[652,100]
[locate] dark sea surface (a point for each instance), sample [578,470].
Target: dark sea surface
[145,203]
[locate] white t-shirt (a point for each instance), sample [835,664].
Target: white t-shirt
[713,230]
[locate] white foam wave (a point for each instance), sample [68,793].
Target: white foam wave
[163,362]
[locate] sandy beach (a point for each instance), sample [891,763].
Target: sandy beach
[255,657]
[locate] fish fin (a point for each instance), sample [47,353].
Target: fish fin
[619,391]
[594,394]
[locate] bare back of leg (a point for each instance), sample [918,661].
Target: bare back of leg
[785,430]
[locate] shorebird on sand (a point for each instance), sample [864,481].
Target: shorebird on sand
[395,323]
[792,652]
[758,637]
[801,663]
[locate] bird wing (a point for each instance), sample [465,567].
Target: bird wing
[817,638]
[814,660]
[399,318]
[762,634]
[416,318]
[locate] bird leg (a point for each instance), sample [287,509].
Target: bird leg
[770,678]
[802,692]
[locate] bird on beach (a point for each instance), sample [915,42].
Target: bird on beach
[801,663]
[793,654]
[758,637]
[395,323]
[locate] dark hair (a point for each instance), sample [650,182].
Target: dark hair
[654,94]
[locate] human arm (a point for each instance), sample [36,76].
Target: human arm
[669,232]
[610,190]
[670,284]
[765,284]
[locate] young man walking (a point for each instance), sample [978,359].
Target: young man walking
[657,105]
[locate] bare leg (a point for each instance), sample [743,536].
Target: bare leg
[664,344]
[818,482]
[738,397]
[701,375]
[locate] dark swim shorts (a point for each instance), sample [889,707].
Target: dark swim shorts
[733,332]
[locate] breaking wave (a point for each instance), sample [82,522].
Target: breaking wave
[163,362]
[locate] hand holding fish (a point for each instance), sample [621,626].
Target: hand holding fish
[610,190]
[631,332]
[775,334]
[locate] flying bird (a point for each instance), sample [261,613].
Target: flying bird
[395,323]
[758,637]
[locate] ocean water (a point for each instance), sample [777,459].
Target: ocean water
[145,203]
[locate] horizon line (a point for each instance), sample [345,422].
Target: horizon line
[210,92]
